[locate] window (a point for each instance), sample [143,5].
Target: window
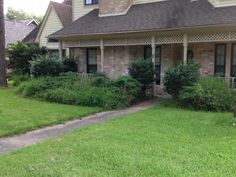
[233,61]
[91,60]
[90,2]
[52,40]
[220,58]
[190,55]
[148,55]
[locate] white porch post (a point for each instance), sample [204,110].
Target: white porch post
[102,55]
[60,50]
[185,44]
[153,61]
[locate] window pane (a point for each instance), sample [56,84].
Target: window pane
[92,57]
[220,59]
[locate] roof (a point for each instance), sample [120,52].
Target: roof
[154,16]
[16,31]
[31,37]
[64,13]
[29,22]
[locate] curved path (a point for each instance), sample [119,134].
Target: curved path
[9,144]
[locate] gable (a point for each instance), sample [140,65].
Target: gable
[50,25]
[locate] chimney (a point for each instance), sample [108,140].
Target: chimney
[113,7]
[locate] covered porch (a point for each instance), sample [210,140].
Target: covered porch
[214,51]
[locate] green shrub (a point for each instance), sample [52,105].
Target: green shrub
[20,55]
[101,80]
[131,87]
[143,71]
[16,78]
[46,65]
[208,94]
[74,90]
[180,76]
[69,65]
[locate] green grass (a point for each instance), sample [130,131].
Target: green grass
[18,115]
[159,142]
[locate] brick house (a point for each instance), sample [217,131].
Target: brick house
[106,35]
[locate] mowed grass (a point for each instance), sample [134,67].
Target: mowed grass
[18,115]
[159,142]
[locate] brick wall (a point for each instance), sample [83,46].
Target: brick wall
[112,7]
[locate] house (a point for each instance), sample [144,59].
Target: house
[58,15]
[17,30]
[106,35]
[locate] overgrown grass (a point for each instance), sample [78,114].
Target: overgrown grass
[18,115]
[161,141]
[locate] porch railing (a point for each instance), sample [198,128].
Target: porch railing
[231,81]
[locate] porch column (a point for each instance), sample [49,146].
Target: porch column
[153,61]
[60,50]
[228,60]
[185,44]
[102,55]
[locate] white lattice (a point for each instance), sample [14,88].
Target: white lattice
[139,41]
[233,36]
[170,39]
[209,37]
[115,42]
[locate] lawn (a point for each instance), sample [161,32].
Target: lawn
[161,141]
[18,115]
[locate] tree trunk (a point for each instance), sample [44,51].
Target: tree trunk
[3,78]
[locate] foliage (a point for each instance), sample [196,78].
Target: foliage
[69,65]
[208,94]
[16,78]
[131,87]
[19,115]
[20,55]
[180,76]
[143,71]
[46,65]
[13,14]
[75,91]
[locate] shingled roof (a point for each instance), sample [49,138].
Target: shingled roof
[154,16]
[63,11]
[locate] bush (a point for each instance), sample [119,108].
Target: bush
[20,55]
[69,65]
[209,94]
[46,65]
[131,87]
[143,71]
[74,90]
[16,78]
[180,76]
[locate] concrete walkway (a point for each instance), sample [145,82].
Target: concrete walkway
[16,142]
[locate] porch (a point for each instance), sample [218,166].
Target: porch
[215,52]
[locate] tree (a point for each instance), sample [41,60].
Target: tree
[13,14]
[3,78]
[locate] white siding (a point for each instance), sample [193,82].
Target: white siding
[79,9]
[51,25]
[146,1]
[223,3]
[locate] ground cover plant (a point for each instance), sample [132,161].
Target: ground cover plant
[162,141]
[18,115]
[98,91]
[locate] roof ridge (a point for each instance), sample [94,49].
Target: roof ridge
[58,3]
